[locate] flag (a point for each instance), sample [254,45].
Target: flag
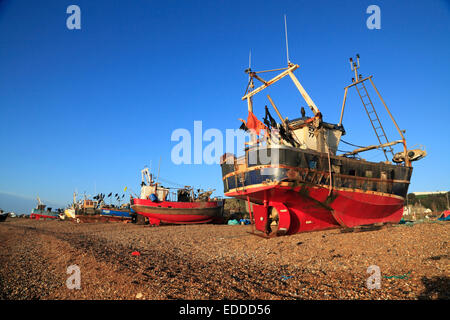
[125,189]
[254,124]
[243,125]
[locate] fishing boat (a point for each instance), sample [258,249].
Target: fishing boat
[293,179]
[120,213]
[3,215]
[81,207]
[87,207]
[96,210]
[70,213]
[189,207]
[41,212]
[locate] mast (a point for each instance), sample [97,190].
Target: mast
[358,83]
[159,166]
[291,67]
[146,176]
[287,45]
[251,85]
[250,88]
[287,71]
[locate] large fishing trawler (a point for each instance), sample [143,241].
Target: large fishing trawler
[293,179]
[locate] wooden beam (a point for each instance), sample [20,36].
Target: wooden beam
[343,106]
[259,78]
[276,109]
[271,70]
[358,81]
[372,147]
[271,81]
[303,92]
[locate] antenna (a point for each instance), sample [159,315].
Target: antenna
[250,83]
[287,46]
[355,66]
[157,179]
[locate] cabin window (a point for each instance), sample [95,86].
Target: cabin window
[352,172]
[383,175]
[369,174]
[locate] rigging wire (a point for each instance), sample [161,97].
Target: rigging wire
[351,144]
[180,186]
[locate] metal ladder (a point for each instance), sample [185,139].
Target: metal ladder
[374,121]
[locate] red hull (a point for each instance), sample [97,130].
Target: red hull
[177,212]
[304,209]
[37,216]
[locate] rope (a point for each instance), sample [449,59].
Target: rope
[329,165]
[351,144]
[329,168]
[172,183]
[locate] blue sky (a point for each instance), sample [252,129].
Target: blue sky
[87,109]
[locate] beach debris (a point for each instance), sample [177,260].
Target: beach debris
[136,253]
[445,216]
[139,295]
[403,276]
[244,221]
[284,278]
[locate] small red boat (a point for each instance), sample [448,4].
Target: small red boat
[189,207]
[40,212]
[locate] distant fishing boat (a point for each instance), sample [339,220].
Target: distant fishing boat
[79,208]
[87,207]
[3,215]
[70,213]
[40,212]
[189,207]
[87,210]
[120,213]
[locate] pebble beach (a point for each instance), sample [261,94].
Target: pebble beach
[119,261]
